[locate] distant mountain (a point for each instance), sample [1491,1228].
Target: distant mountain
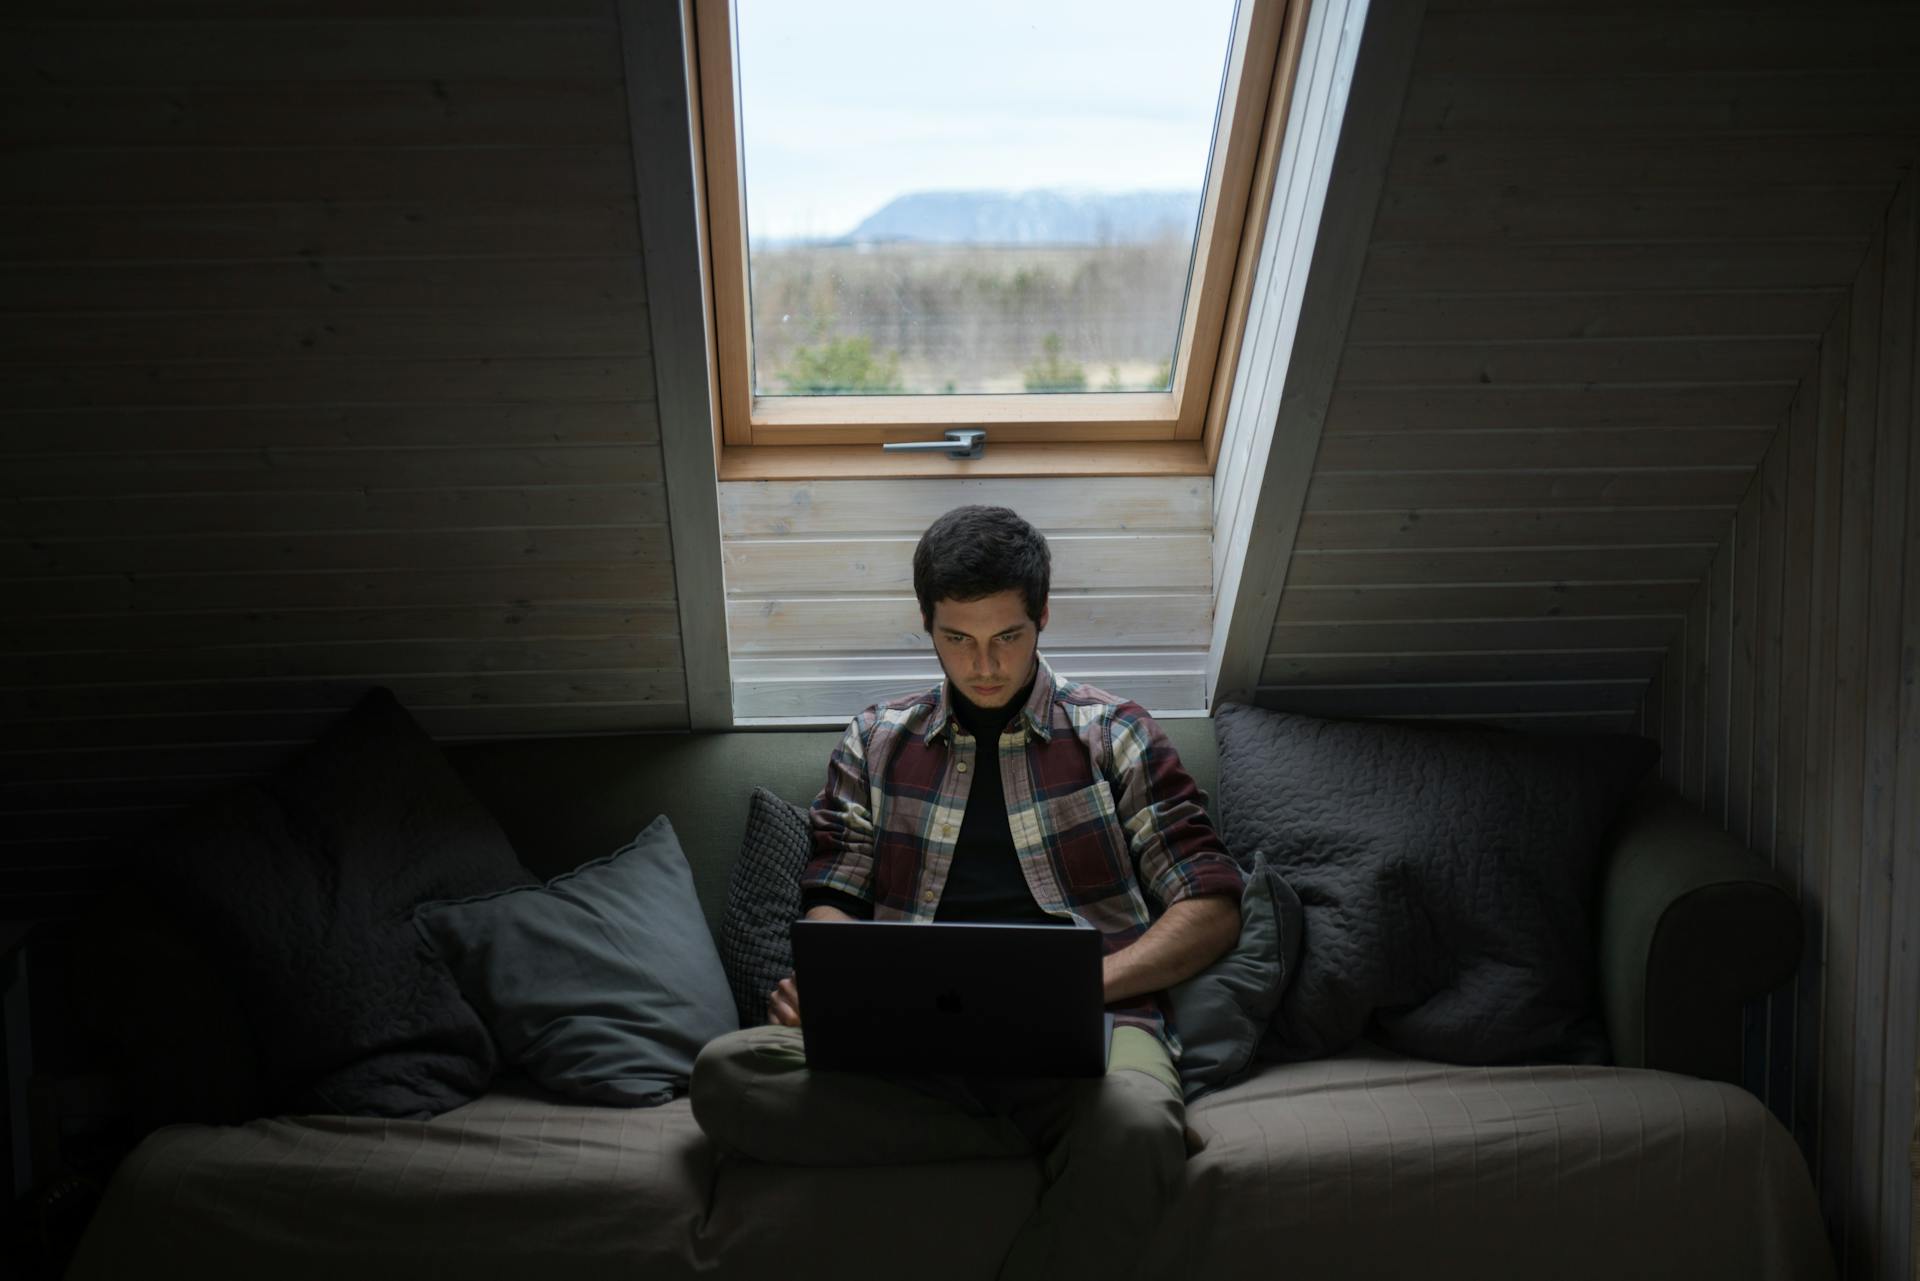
[1029,217]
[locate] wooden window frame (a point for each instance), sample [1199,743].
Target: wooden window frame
[1052,434]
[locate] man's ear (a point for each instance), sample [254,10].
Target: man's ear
[1041,626]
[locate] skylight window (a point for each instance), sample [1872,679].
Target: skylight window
[1017,217]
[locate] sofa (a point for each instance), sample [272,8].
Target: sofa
[1366,1163]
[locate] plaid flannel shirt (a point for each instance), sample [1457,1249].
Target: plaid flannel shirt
[1104,818]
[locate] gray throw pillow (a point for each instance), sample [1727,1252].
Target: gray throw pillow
[602,984]
[1447,875]
[1221,1013]
[763,900]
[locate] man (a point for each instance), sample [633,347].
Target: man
[1006,793]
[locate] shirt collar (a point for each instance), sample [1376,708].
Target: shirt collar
[1037,712]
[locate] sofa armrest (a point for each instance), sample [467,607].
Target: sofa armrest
[1692,925]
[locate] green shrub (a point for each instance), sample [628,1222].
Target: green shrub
[841,365]
[1051,373]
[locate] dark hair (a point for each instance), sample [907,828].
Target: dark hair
[975,551]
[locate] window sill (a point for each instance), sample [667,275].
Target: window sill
[854,462]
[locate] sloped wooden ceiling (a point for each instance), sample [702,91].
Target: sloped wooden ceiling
[326,365]
[1608,243]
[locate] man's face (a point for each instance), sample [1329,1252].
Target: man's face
[986,646]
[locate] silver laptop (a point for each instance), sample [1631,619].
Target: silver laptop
[986,1000]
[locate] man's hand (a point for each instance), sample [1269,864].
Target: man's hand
[783,1007]
[1188,937]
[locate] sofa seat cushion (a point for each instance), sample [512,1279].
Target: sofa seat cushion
[523,1183]
[1375,1164]
[518,1174]
[1366,1165]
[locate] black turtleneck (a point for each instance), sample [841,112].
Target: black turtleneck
[985,882]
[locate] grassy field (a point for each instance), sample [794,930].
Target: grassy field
[968,319]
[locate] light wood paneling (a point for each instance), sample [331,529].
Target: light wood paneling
[1582,319]
[799,687]
[1134,503]
[310,281]
[329,552]
[149,49]
[824,569]
[399,229]
[1427,214]
[1353,72]
[664,113]
[1383,602]
[328,362]
[1544,447]
[1624,663]
[1829,99]
[160,630]
[892,623]
[1577,360]
[290,114]
[1604,313]
[1809,718]
[160,336]
[1358,567]
[1608,406]
[1579,265]
[767,567]
[1440,489]
[1488,636]
[1564,38]
[1516,528]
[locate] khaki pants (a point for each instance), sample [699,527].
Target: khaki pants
[1112,1147]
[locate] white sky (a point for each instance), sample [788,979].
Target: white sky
[846,104]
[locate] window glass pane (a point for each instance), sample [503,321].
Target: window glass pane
[978,198]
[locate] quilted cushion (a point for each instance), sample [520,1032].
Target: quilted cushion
[299,890]
[763,900]
[1447,877]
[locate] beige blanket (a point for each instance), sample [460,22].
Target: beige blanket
[1367,1165]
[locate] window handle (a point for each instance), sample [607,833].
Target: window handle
[961,442]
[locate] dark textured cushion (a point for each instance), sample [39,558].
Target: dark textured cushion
[1221,1013]
[299,890]
[1448,878]
[603,983]
[763,900]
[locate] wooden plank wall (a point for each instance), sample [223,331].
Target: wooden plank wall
[1314,120]
[325,349]
[1789,710]
[1610,240]
[823,620]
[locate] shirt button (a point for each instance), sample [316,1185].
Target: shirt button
[962,767]
[946,829]
[928,896]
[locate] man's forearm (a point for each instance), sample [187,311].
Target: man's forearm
[1188,937]
[825,913]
